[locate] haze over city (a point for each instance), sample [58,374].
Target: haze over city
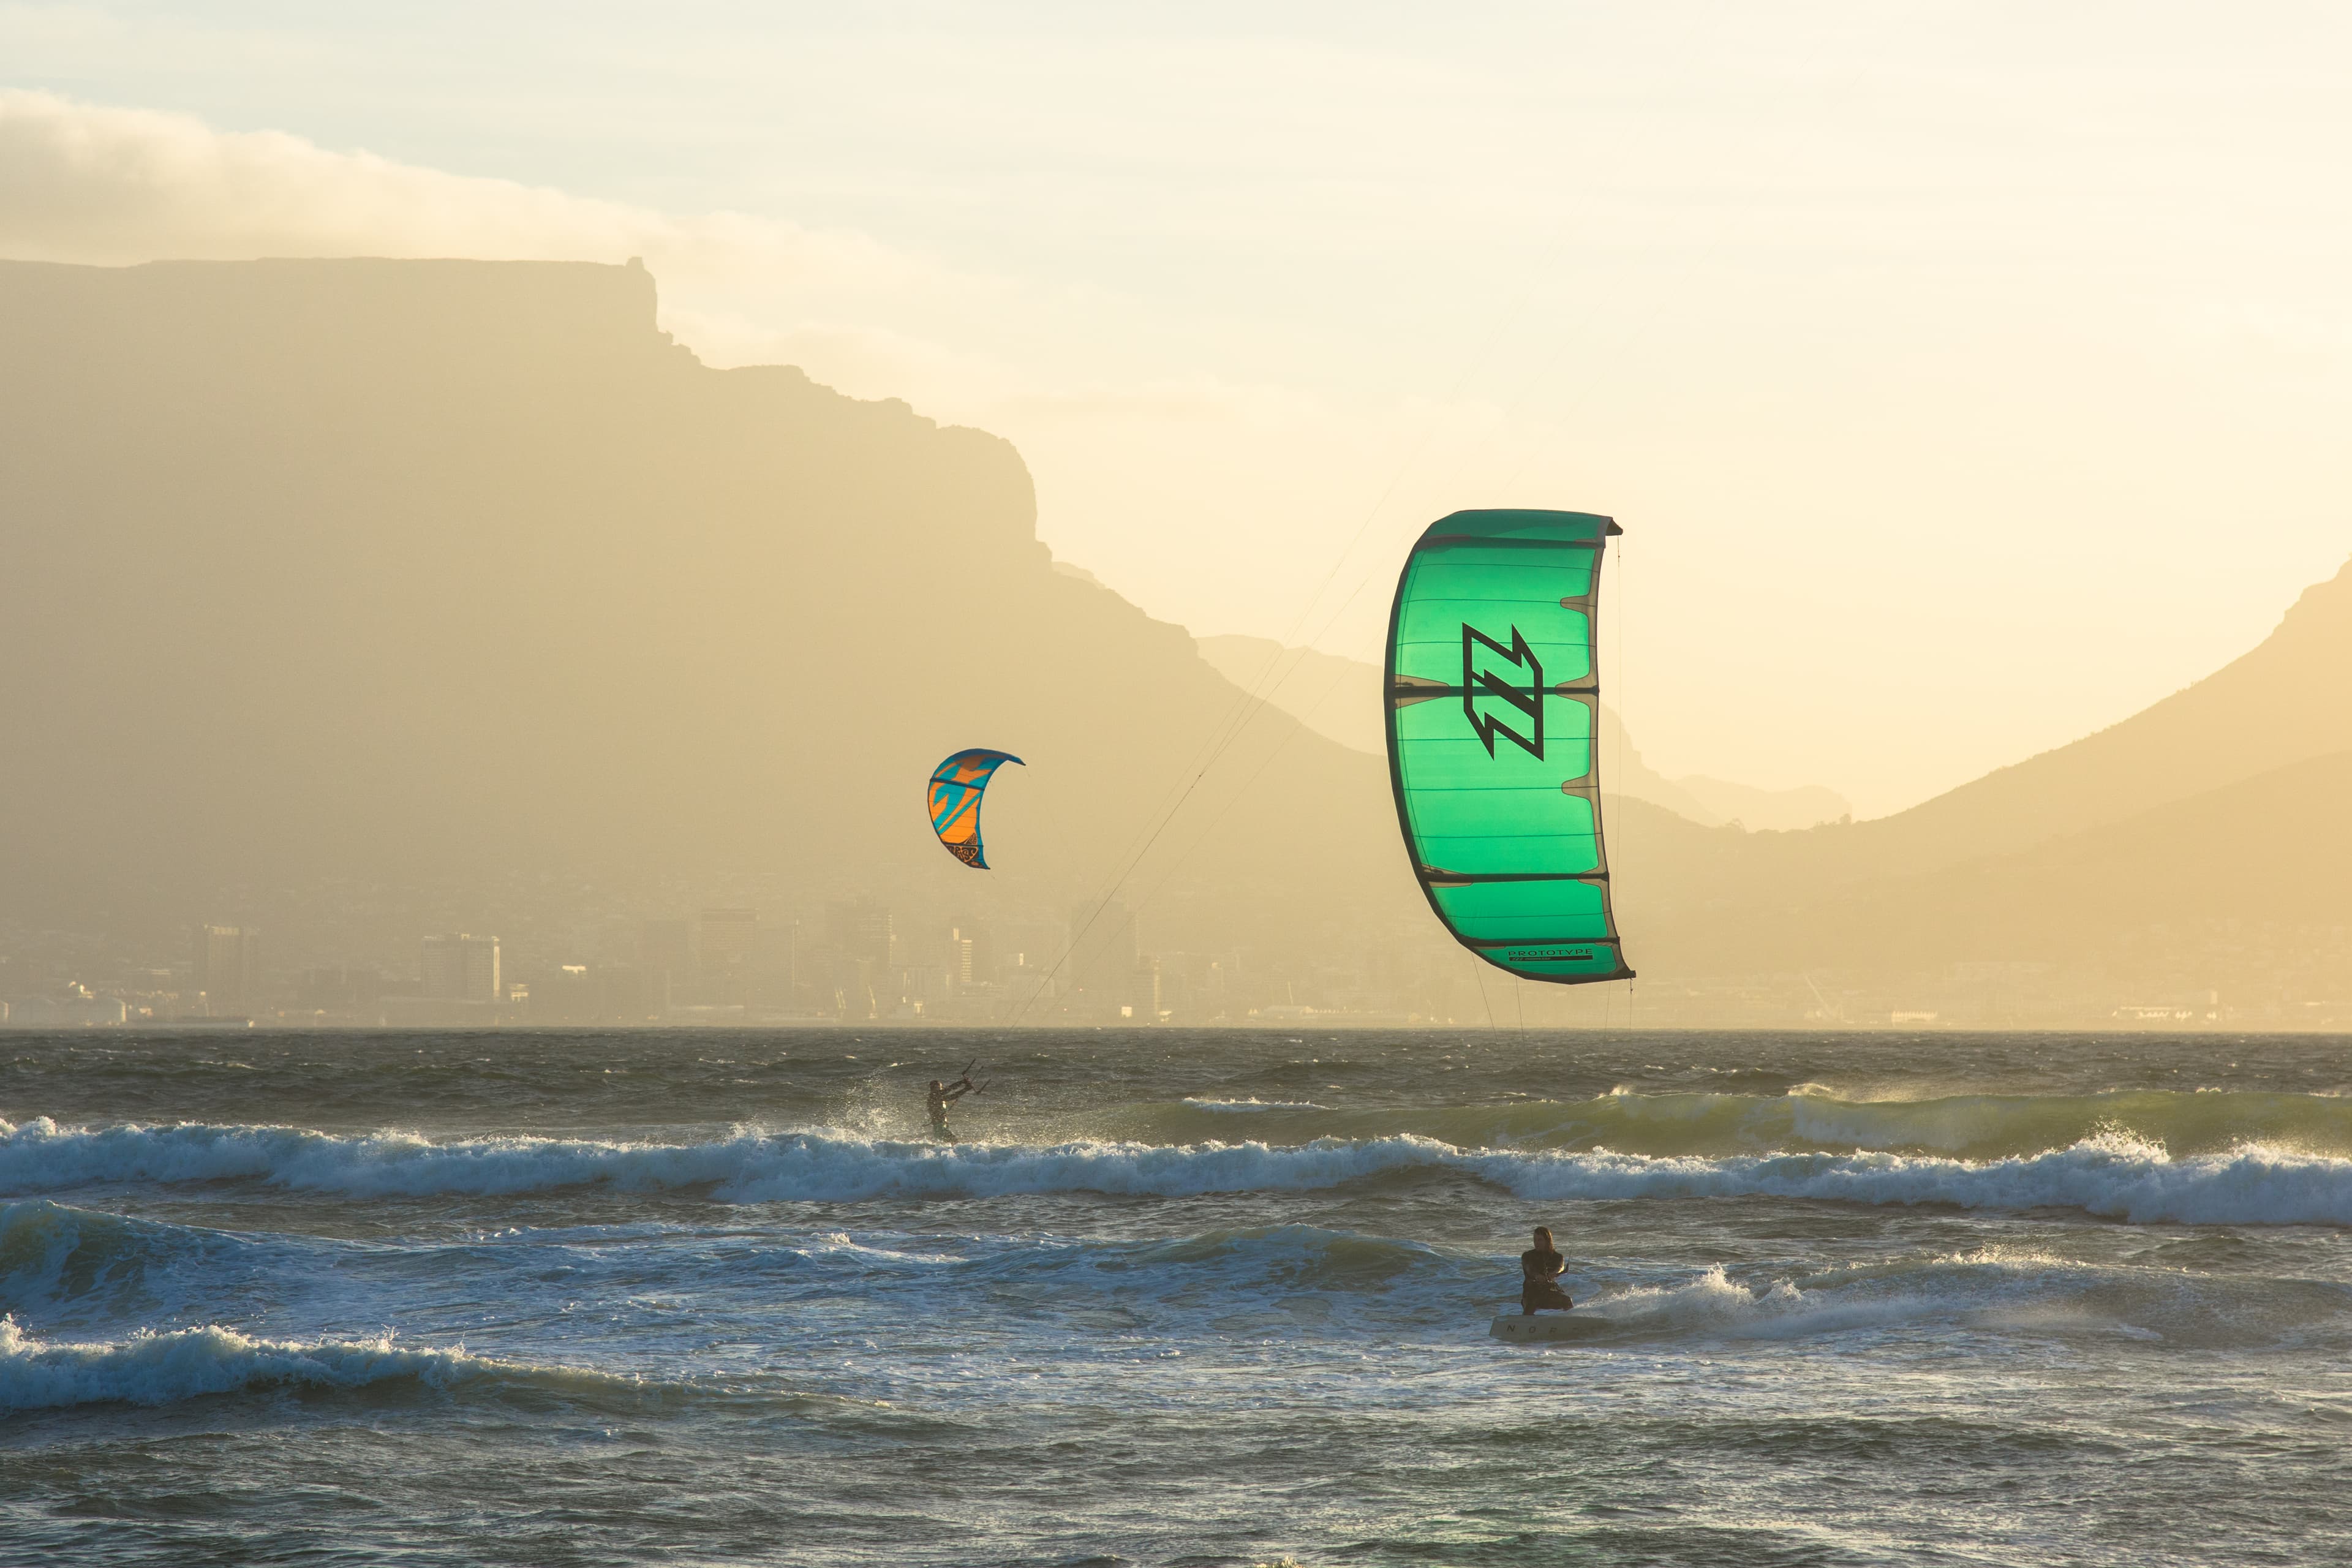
[1916,486]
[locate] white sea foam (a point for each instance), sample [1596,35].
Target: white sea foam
[2113,1176]
[1714,1303]
[1244,1107]
[187,1363]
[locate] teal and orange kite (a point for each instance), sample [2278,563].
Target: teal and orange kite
[954,797]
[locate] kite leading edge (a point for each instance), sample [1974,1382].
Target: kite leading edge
[954,794]
[1494,699]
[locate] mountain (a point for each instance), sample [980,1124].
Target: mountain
[2288,699]
[1335,697]
[455,588]
[1766,810]
[361,600]
[2199,849]
[1340,698]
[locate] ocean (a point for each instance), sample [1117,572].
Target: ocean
[712,1297]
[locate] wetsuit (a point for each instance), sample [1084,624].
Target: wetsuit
[939,1103]
[1539,1283]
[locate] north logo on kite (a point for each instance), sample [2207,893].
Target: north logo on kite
[1512,705]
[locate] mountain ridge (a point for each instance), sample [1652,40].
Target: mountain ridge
[364,599]
[461,570]
[2287,699]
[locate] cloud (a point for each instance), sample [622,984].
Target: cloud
[116,186]
[1133,463]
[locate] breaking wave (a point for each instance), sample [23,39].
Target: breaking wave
[52,1256]
[2114,1175]
[189,1363]
[1810,1117]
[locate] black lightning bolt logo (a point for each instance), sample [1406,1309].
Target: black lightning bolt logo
[1480,681]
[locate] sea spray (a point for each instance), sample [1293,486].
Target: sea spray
[984,1358]
[1809,1117]
[2113,1176]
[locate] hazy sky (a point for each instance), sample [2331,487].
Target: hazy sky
[1966,375]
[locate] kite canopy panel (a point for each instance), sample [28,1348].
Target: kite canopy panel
[1494,696]
[954,794]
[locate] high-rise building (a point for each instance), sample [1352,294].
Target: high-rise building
[461,968]
[665,949]
[1144,990]
[776,961]
[229,969]
[729,939]
[340,988]
[1102,952]
[863,930]
[864,963]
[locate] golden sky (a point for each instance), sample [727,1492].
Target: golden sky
[1966,376]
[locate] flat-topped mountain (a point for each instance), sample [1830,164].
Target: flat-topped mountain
[376,572]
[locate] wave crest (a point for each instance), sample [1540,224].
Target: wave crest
[189,1363]
[1810,1117]
[2113,1175]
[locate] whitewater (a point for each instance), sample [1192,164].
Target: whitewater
[2115,1174]
[1205,1298]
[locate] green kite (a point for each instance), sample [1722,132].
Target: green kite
[1494,695]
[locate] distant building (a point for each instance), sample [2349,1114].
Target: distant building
[461,968]
[1102,955]
[729,939]
[1143,990]
[567,994]
[74,1009]
[667,948]
[862,968]
[776,964]
[227,968]
[343,989]
[627,994]
[863,931]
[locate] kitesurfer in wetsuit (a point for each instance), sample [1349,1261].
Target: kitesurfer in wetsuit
[1540,1267]
[943,1096]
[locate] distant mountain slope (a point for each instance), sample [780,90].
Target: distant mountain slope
[1763,809]
[1340,698]
[2247,885]
[1335,697]
[2289,699]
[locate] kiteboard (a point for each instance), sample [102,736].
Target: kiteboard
[1537,1328]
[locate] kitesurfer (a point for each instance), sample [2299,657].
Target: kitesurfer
[943,1096]
[1540,1267]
